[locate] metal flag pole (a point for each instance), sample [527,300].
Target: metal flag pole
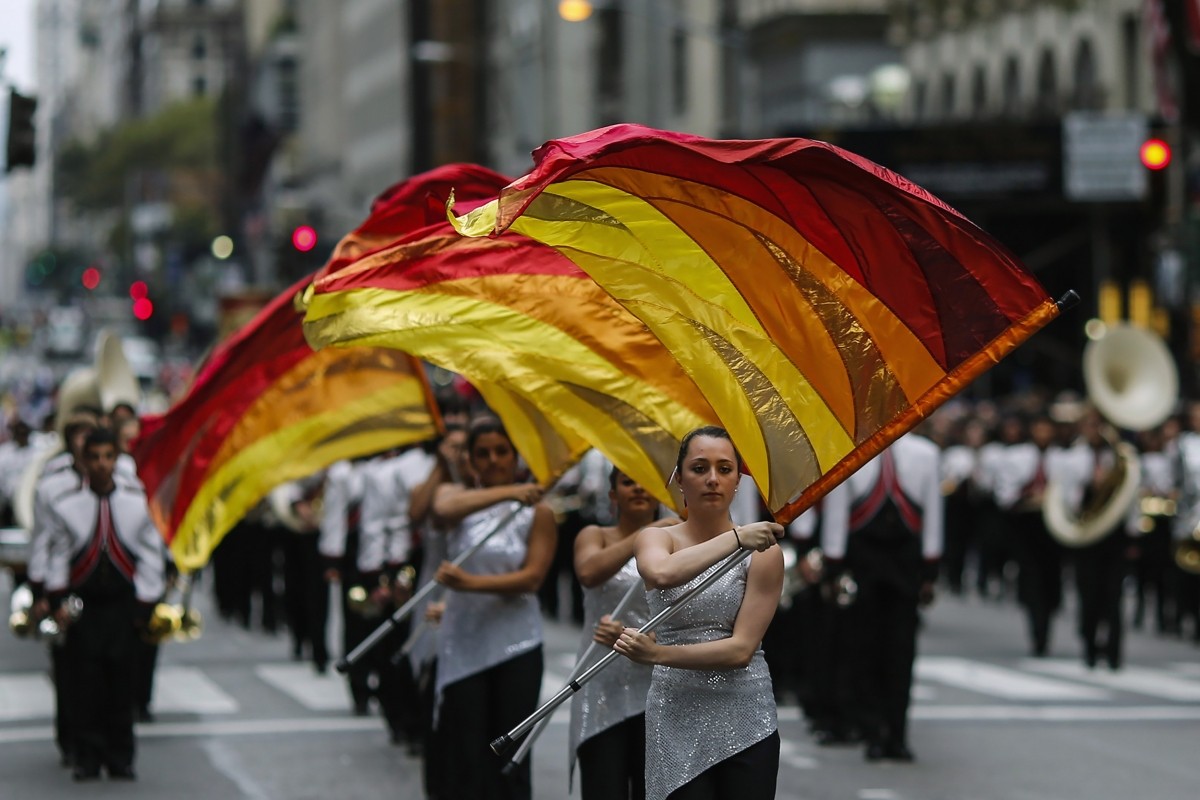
[576,671]
[405,611]
[503,744]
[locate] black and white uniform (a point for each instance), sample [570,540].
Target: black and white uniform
[885,521]
[105,550]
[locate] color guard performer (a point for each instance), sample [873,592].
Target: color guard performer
[489,669]
[885,523]
[608,723]
[104,549]
[711,726]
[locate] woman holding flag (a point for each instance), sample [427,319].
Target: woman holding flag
[608,725]
[490,643]
[711,727]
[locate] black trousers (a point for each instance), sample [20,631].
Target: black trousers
[829,698]
[1099,576]
[1039,585]
[306,597]
[100,647]
[748,775]
[475,711]
[884,649]
[612,764]
[64,724]
[145,665]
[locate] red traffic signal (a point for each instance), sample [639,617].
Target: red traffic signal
[138,290]
[143,309]
[91,278]
[1155,154]
[304,238]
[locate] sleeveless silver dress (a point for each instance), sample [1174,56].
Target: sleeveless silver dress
[619,691]
[480,630]
[698,718]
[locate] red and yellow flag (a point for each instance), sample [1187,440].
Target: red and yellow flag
[550,350]
[822,304]
[265,409]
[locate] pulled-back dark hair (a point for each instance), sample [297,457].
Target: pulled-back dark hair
[712,431]
[99,437]
[482,425]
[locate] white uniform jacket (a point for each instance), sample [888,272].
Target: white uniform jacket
[919,477]
[385,537]
[343,489]
[1070,467]
[73,531]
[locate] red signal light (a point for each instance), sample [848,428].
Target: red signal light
[91,278]
[138,290]
[143,309]
[304,238]
[1155,154]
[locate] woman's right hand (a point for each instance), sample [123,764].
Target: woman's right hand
[608,630]
[759,536]
[527,493]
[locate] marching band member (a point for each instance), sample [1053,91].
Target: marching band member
[489,669]
[1187,520]
[711,727]
[1150,522]
[105,549]
[885,522]
[608,725]
[340,520]
[1020,487]
[305,593]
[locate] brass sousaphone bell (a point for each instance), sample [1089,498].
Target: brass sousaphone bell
[1132,381]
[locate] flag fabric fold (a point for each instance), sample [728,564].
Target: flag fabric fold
[822,304]
[559,360]
[264,409]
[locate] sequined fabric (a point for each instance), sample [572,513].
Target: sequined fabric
[698,718]
[480,630]
[619,691]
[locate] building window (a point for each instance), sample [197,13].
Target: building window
[1086,96]
[1046,104]
[948,91]
[199,86]
[1012,87]
[679,72]
[199,47]
[610,57]
[979,91]
[289,103]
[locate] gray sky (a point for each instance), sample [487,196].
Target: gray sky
[16,35]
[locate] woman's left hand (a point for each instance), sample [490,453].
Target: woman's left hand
[638,647]
[608,630]
[453,576]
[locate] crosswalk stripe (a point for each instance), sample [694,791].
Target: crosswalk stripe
[1138,680]
[187,690]
[25,695]
[981,678]
[315,692]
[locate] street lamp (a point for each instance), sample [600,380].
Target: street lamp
[574,10]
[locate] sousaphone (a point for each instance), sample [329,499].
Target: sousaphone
[1132,381]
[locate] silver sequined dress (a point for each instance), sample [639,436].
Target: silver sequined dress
[480,629]
[618,692]
[698,718]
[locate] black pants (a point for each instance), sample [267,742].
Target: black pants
[1099,576]
[884,650]
[64,725]
[748,775]
[829,698]
[101,649]
[306,597]
[612,764]
[145,665]
[1039,586]
[475,711]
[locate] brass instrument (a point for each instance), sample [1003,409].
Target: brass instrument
[1132,381]
[1150,509]
[47,629]
[1187,553]
[361,600]
[842,591]
[177,622]
[20,607]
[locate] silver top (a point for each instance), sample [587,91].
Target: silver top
[698,718]
[481,629]
[619,691]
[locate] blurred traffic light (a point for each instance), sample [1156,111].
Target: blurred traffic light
[21,147]
[138,290]
[143,309]
[91,278]
[1155,154]
[304,238]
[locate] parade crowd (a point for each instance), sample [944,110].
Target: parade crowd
[829,618]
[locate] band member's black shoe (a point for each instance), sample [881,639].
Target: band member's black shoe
[898,751]
[83,773]
[122,773]
[875,752]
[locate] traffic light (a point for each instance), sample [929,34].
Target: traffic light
[304,238]
[1155,154]
[21,147]
[91,278]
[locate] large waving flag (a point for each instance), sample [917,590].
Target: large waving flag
[548,348]
[265,409]
[822,304]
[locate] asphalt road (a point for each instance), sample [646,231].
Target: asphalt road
[236,718]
